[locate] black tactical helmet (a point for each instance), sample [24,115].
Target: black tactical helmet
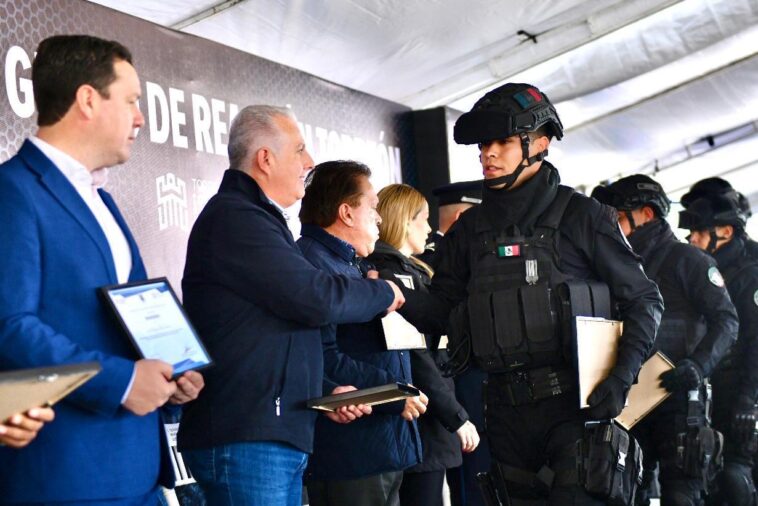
[716,186]
[633,192]
[505,111]
[712,211]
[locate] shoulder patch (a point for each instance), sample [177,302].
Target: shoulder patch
[715,277]
[755,297]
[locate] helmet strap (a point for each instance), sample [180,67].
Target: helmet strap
[630,219]
[526,160]
[714,239]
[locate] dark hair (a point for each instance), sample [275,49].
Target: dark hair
[66,62]
[331,184]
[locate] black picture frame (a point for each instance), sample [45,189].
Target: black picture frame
[106,293]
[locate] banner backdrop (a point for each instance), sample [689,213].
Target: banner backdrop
[191,90]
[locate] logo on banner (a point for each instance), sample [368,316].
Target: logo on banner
[172,202]
[202,191]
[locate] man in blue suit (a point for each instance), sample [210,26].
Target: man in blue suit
[61,238]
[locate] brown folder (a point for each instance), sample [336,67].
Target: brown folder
[647,393]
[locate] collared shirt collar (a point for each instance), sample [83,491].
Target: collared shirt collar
[74,170]
[339,247]
[279,208]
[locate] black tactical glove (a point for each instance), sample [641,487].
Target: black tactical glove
[686,376]
[608,398]
[743,419]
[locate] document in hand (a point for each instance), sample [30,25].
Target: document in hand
[647,393]
[152,317]
[369,396]
[25,389]
[596,349]
[401,335]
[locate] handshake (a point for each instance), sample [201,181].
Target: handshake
[399,300]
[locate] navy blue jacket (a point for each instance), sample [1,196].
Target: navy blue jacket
[258,305]
[356,354]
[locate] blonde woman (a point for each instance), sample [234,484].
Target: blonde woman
[402,234]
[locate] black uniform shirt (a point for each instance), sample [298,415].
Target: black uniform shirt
[590,245]
[432,249]
[741,274]
[691,285]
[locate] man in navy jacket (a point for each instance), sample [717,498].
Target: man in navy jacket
[62,237]
[259,304]
[359,464]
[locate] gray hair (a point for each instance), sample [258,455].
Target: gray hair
[252,129]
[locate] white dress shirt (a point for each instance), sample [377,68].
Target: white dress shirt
[86,185]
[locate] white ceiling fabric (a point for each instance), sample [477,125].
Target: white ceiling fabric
[635,81]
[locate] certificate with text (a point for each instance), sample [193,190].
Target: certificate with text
[152,317]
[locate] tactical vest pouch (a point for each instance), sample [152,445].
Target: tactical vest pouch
[701,453]
[514,327]
[609,463]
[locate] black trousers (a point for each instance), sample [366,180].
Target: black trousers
[422,489]
[736,486]
[464,490]
[657,434]
[532,435]
[376,490]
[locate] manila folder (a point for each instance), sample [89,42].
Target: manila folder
[647,393]
[596,349]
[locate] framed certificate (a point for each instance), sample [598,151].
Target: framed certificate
[24,389]
[369,396]
[152,317]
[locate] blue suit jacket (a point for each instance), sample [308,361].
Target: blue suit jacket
[54,257]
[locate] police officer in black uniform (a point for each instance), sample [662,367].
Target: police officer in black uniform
[717,225]
[714,186]
[698,327]
[498,282]
[452,200]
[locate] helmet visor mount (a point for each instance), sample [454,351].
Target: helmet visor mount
[487,125]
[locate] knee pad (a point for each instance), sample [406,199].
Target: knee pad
[737,486]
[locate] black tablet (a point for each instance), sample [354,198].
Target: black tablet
[152,317]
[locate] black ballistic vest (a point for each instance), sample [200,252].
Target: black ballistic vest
[517,296]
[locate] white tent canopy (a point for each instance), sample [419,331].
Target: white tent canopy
[641,85]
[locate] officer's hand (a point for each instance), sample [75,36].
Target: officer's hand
[415,407]
[743,419]
[686,376]
[469,437]
[608,398]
